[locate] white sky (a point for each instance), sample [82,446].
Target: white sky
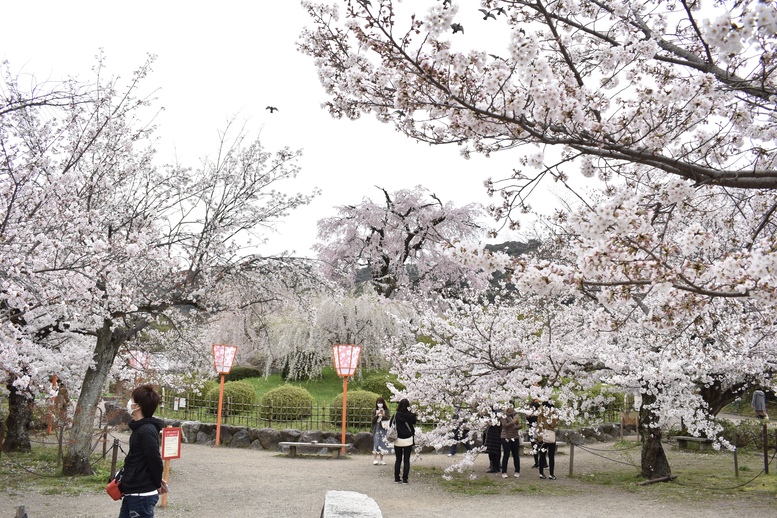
[230,58]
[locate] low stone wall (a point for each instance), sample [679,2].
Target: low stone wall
[195,432]
[268,438]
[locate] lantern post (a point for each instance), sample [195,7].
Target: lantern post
[346,359]
[223,358]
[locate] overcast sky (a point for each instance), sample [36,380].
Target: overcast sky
[233,59]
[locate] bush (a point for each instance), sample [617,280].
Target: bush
[747,434]
[239,398]
[241,373]
[358,410]
[377,383]
[286,403]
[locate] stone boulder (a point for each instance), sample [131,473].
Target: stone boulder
[362,442]
[189,431]
[268,438]
[240,439]
[290,435]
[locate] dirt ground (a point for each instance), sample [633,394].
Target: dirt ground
[228,482]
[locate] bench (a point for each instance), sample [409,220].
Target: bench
[335,448]
[702,443]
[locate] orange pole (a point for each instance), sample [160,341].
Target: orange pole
[345,396]
[218,418]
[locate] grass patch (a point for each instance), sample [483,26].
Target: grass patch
[700,477]
[38,472]
[323,390]
[490,484]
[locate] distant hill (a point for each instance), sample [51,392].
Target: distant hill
[515,248]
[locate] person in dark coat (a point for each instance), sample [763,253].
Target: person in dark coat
[492,439]
[142,479]
[405,421]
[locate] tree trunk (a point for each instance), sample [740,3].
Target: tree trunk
[77,461]
[19,419]
[654,461]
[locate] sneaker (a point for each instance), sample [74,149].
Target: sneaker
[535,466]
[542,476]
[517,475]
[383,463]
[450,455]
[375,463]
[504,475]
[492,470]
[398,481]
[405,482]
[552,477]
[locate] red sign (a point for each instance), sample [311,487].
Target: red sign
[171,443]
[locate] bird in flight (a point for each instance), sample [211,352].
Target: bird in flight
[457,28]
[487,14]
[272,109]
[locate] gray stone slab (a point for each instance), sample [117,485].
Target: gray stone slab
[349,504]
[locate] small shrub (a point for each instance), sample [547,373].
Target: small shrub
[378,383]
[241,373]
[359,406]
[286,403]
[746,434]
[239,397]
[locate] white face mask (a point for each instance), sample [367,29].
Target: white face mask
[129,406]
[380,405]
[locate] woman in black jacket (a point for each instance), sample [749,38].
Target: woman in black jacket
[405,421]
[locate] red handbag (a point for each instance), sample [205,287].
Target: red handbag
[113,489]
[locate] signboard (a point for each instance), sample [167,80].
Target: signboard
[171,443]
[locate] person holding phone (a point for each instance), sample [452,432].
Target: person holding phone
[380,422]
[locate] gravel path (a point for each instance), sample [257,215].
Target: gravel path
[228,482]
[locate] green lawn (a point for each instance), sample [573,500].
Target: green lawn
[323,390]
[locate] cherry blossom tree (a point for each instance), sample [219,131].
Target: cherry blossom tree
[671,108]
[301,337]
[404,242]
[616,88]
[98,241]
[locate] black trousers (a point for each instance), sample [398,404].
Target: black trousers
[511,447]
[402,453]
[547,450]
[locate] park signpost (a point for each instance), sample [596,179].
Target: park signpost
[171,449]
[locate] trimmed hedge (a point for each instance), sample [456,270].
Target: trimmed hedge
[376,383]
[239,398]
[241,373]
[359,406]
[286,403]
